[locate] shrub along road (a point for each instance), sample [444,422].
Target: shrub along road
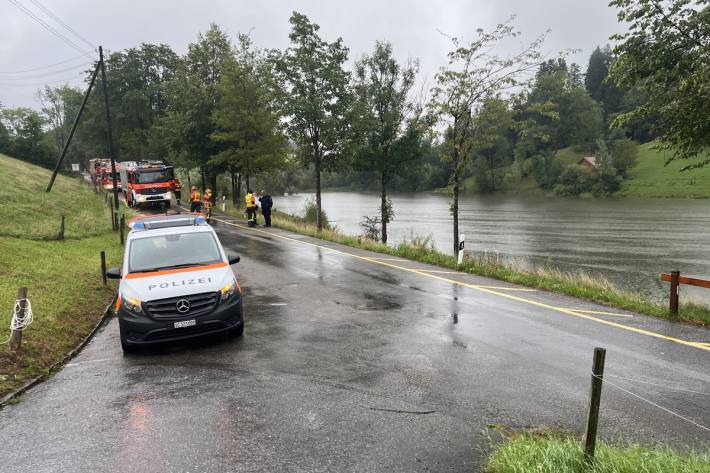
[355,361]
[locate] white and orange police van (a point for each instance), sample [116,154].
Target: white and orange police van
[176,282]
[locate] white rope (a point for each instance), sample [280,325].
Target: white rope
[651,402]
[20,322]
[665,386]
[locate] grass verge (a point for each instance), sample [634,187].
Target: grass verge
[62,277]
[548,452]
[579,285]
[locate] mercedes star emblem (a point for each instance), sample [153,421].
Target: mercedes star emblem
[183,305]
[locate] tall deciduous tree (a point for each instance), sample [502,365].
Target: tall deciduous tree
[473,75]
[60,106]
[248,128]
[317,98]
[387,120]
[665,55]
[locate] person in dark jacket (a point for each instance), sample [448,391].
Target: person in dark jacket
[266,203]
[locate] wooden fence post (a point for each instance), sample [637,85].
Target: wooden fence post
[113,220]
[61,229]
[675,275]
[595,395]
[16,335]
[103,267]
[122,227]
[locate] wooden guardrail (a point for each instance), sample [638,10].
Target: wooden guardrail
[676,280]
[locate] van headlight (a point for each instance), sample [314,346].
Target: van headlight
[228,291]
[132,304]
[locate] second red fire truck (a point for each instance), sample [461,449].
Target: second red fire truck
[147,183]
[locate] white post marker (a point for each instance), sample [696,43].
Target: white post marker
[75,167]
[462,237]
[224,203]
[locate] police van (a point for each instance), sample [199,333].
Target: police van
[175,282]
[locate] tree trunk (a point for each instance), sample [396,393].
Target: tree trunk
[455,213]
[239,189]
[383,207]
[202,176]
[319,223]
[233,187]
[246,179]
[213,179]
[189,183]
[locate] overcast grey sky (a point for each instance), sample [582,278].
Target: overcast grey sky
[411,26]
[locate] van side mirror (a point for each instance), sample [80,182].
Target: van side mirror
[233,259]
[113,273]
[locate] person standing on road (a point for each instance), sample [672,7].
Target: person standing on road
[177,188]
[266,203]
[207,203]
[250,202]
[195,200]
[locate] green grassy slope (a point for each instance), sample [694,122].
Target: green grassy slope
[62,277]
[549,453]
[652,178]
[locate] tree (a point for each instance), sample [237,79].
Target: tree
[473,75]
[666,56]
[318,98]
[492,145]
[387,120]
[60,106]
[624,155]
[247,125]
[25,128]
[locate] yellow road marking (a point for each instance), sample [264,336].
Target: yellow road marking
[600,312]
[388,259]
[436,272]
[505,288]
[563,310]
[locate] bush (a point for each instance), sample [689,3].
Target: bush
[310,212]
[573,181]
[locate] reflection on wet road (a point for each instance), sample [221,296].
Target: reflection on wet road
[350,364]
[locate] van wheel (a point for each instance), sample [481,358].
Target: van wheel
[237,332]
[127,349]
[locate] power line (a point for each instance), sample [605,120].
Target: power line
[45,74]
[59,20]
[81,56]
[39,84]
[49,28]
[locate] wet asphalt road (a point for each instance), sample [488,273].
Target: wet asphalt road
[351,361]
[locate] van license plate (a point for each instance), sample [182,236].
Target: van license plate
[185,323]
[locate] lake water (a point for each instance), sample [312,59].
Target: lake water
[628,241]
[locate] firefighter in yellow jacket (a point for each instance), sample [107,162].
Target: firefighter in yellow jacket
[250,201]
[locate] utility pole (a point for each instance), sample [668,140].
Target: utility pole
[108,125]
[73,129]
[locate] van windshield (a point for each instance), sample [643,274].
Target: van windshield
[172,251]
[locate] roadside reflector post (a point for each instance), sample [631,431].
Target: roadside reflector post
[16,335]
[462,237]
[103,267]
[61,229]
[122,227]
[675,276]
[595,396]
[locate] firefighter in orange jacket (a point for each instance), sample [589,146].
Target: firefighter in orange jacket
[207,202]
[195,200]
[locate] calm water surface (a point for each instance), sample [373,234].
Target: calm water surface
[625,240]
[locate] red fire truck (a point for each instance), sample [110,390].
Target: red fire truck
[106,176]
[147,183]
